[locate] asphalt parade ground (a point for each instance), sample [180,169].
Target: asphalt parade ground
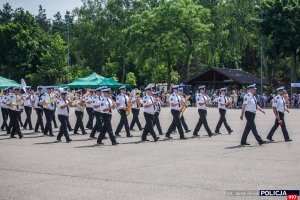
[38,168]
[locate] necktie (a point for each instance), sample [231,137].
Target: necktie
[109,105]
[125,100]
[255,101]
[178,100]
[283,103]
[67,106]
[152,102]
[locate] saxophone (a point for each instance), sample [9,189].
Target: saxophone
[185,105]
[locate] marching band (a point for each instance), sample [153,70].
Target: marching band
[99,104]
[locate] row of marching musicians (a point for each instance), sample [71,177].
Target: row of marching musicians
[101,104]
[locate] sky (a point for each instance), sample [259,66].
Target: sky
[51,6]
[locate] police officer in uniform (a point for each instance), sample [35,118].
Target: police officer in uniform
[53,109]
[202,100]
[4,110]
[279,108]
[175,103]
[90,109]
[9,112]
[122,103]
[149,104]
[249,110]
[27,97]
[14,105]
[39,109]
[158,105]
[136,110]
[106,106]
[63,113]
[79,108]
[223,101]
[184,125]
[96,103]
[47,108]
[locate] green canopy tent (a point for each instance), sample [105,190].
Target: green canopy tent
[4,83]
[94,81]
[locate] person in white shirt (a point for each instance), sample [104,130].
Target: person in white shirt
[27,97]
[184,125]
[4,110]
[14,105]
[136,104]
[54,97]
[48,105]
[223,101]
[69,96]
[149,104]
[202,101]
[79,108]
[89,109]
[96,104]
[249,108]
[106,107]
[176,103]
[122,103]
[279,108]
[159,103]
[39,109]
[63,111]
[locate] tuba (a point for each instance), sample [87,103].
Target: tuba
[185,105]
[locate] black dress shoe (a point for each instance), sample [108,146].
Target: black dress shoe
[155,139]
[262,142]
[13,137]
[245,144]
[129,135]
[270,139]
[21,137]
[115,143]
[289,140]
[93,137]
[230,132]
[196,135]
[99,142]
[209,135]
[69,140]
[169,137]
[84,133]
[58,140]
[217,132]
[187,131]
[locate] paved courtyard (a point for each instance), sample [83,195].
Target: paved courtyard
[37,167]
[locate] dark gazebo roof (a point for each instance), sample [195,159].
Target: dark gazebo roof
[224,75]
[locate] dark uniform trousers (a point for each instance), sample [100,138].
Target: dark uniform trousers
[39,122]
[184,125]
[53,118]
[48,126]
[123,122]
[28,111]
[98,125]
[202,121]
[90,112]
[4,112]
[222,120]
[157,122]
[68,124]
[15,123]
[149,126]
[135,118]
[250,125]
[19,118]
[79,123]
[106,128]
[175,123]
[63,127]
[283,128]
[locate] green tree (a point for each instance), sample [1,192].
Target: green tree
[130,79]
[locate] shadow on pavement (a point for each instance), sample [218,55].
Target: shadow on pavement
[238,146]
[89,146]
